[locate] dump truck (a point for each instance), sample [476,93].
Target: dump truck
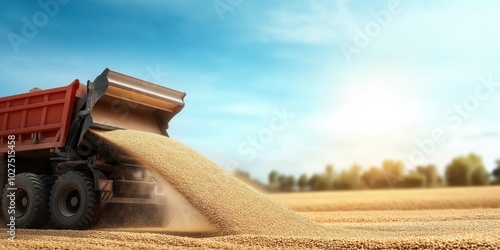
[49,168]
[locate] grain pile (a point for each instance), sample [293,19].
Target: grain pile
[230,205]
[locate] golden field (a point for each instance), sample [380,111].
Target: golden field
[441,218]
[423,227]
[394,199]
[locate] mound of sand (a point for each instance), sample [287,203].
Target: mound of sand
[230,205]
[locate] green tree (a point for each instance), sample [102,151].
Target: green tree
[350,178]
[466,171]
[290,182]
[393,172]
[496,173]
[432,178]
[274,183]
[282,180]
[412,180]
[393,168]
[374,178]
[303,182]
[318,182]
[480,176]
[273,177]
[329,177]
[457,172]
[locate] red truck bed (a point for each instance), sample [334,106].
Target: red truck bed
[39,120]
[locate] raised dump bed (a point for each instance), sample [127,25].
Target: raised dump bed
[38,120]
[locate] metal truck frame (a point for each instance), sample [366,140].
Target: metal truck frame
[48,158]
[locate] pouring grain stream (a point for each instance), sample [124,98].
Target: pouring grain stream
[230,205]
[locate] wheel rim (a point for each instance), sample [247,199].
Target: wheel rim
[22,201]
[70,201]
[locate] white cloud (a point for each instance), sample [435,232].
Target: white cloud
[311,24]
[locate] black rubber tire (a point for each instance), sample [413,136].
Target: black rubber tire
[47,183]
[74,202]
[31,199]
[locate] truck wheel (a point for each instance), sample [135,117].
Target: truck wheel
[48,181]
[74,203]
[30,199]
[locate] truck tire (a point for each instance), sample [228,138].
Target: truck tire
[31,201]
[74,202]
[47,183]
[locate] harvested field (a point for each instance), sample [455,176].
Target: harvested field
[394,199]
[404,231]
[377,216]
[447,218]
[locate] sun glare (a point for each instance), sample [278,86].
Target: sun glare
[375,106]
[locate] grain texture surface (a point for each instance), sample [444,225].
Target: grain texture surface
[464,218]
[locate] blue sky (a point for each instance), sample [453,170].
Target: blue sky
[285,85]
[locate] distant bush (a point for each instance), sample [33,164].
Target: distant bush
[432,178]
[279,182]
[412,180]
[393,168]
[325,181]
[462,171]
[303,182]
[350,178]
[496,174]
[290,183]
[374,178]
[273,176]
[318,182]
[466,171]
[480,176]
[329,177]
[274,184]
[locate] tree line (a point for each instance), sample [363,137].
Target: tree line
[466,170]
